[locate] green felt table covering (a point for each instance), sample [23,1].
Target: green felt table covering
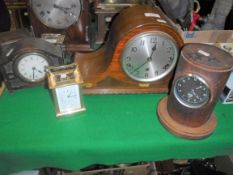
[114,129]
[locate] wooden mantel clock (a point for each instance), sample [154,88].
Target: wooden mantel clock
[200,77]
[138,57]
[67,18]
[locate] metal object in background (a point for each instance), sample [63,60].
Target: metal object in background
[178,10]
[219,13]
[105,11]
[122,169]
[18,14]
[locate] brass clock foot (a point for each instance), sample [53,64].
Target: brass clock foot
[180,130]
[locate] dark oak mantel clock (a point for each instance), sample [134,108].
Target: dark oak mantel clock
[138,57]
[67,18]
[200,77]
[23,62]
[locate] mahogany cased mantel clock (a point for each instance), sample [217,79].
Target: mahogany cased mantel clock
[139,55]
[200,77]
[67,18]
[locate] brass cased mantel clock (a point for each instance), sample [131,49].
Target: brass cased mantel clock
[64,81]
[200,77]
[139,56]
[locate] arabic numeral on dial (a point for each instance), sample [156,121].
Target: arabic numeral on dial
[166,66]
[128,59]
[153,40]
[73,5]
[134,49]
[142,42]
[146,75]
[171,59]
[129,66]
[42,13]
[156,72]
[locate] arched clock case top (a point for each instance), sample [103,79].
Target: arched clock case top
[147,28]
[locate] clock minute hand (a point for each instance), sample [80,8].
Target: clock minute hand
[64,9]
[33,73]
[148,60]
[61,8]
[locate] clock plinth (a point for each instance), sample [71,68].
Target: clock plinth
[201,73]
[200,132]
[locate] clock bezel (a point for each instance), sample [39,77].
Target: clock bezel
[141,35]
[21,56]
[185,103]
[47,24]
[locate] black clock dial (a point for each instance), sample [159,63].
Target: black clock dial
[191,91]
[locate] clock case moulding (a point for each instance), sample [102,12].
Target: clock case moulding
[75,35]
[101,70]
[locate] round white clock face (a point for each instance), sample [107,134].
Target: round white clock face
[31,67]
[192,91]
[55,13]
[149,56]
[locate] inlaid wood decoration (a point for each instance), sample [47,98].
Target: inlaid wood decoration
[139,56]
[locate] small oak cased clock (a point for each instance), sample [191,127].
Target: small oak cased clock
[23,62]
[139,56]
[200,77]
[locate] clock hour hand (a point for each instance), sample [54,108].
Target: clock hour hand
[61,8]
[147,60]
[33,72]
[64,9]
[153,50]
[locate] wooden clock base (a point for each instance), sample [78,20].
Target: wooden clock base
[181,130]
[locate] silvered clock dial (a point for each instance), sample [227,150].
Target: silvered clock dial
[55,13]
[149,56]
[192,91]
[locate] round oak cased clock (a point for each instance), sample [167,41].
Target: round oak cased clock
[69,19]
[23,62]
[139,56]
[200,77]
